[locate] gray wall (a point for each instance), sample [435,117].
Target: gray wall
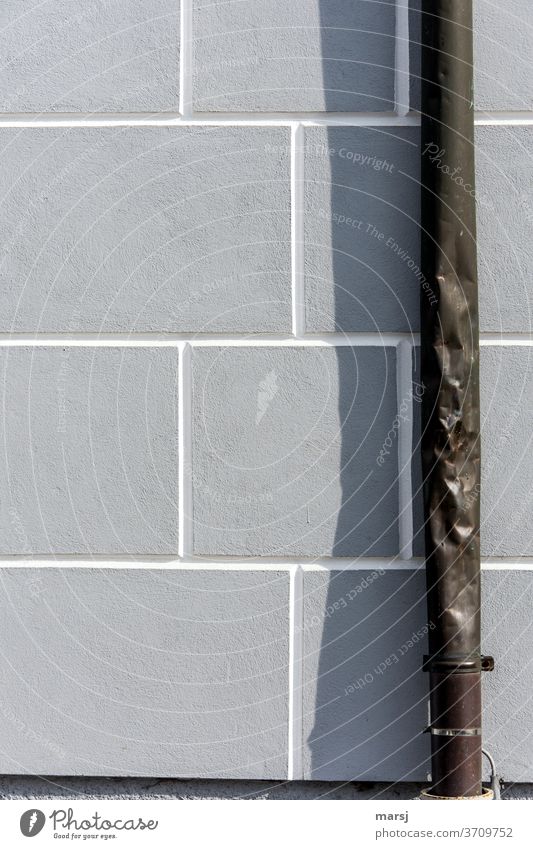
[210,531]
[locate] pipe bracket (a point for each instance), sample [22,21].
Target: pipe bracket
[454,732]
[458,663]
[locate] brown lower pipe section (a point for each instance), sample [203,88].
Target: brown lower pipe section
[455,702]
[450,404]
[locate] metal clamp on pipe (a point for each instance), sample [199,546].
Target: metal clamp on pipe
[454,732]
[457,663]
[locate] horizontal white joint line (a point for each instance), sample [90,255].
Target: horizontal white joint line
[245,119]
[310,340]
[217,563]
[505,339]
[507,564]
[175,119]
[496,118]
[341,564]
[207,340]
[333,564]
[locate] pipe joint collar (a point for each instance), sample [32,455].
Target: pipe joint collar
[458,663]
[486,795]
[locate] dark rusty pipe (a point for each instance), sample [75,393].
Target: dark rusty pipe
[450,405]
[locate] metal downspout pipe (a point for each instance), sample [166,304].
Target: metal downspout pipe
[450,404]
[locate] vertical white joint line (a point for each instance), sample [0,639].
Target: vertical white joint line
[296,625]
[401,82]
[186,57]
[404,388]
[185,451]
[297,229]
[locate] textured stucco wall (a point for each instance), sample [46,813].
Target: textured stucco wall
[24,787]
[209,483]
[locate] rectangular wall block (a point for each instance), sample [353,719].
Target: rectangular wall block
[115,55]
[362,231]
[505,227]
[503,45]
[506,454]
[507,634]
[90,451]
[310,55]
[125,229]
[285,453]
[362,237]
[144,672]
[365,695]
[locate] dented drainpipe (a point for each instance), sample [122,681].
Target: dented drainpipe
[450,404]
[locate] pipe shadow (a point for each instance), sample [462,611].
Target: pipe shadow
[365,696]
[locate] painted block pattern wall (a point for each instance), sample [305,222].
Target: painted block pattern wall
[210,515]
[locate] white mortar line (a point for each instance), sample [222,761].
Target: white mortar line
[401,81]
[507,564]
[148,565]
[148,340]
[243,119]
[186,57]
[185,523]
[363,564]
[297,230]
[259,340]
[155,562]
[498,118]
[221,563]
[505,339]
[295,732]
[313,119]
[215,119]
[404,385]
